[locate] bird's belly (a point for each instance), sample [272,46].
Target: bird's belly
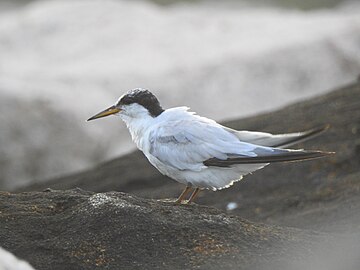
[216,178]
[213,178]
[169,171]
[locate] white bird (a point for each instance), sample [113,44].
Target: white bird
[197,151]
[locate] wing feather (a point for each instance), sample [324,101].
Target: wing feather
[186,144]
[278,140]
[195,142]
[288,156]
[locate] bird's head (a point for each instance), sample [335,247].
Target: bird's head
[136,103]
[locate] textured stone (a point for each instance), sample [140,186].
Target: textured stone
[76,229]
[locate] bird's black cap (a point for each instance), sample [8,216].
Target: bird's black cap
[144,98]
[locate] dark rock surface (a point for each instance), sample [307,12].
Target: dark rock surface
[77,229]
[320,194]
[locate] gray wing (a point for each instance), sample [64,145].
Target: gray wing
[279,140]
[192,145]
[185,145]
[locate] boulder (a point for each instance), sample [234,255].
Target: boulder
[9,262]
[77,229]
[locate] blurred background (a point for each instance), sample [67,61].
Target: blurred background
[63,61]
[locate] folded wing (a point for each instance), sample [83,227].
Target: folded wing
[194,145]
[186,144]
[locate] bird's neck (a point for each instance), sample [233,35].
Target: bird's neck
[138,128]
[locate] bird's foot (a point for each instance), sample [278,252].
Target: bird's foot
[180,202]
[174,201]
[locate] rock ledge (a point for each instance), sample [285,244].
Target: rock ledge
[76,229]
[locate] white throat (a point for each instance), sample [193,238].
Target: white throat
[138,121]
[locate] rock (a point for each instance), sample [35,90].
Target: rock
[47,132]
[319,194]
[76,229]
[9,262]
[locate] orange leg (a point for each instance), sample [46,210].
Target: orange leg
[183,195]
[193,196]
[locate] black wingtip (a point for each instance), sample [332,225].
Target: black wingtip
[290,156]
[307,155]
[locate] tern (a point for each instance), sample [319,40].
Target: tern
[197,151]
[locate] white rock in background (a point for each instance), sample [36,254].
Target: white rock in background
[77,57]
[36,139]
[9,262]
